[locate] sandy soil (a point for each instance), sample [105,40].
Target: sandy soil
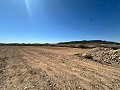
[53,68]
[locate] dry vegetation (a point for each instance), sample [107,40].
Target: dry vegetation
[55,68]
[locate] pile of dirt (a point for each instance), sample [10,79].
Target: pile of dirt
[104,56]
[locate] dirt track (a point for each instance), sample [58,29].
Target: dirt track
[53,68]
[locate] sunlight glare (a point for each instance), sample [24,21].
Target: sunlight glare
[27,2]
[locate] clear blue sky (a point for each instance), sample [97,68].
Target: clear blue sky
[59,20]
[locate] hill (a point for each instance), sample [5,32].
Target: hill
[90,42]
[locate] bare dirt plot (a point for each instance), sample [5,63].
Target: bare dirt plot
[53,68]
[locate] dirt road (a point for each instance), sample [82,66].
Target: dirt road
[53,68]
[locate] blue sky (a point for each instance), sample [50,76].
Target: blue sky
[59,20]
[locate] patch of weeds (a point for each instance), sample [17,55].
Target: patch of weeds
[88,57]
[83,47]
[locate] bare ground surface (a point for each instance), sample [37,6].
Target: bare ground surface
[53,68]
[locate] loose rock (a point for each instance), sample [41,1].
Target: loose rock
[104,55]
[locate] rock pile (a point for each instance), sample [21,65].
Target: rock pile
[104,55]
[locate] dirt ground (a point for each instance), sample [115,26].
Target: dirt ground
[53,68]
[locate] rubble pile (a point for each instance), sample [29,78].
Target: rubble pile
[104,55]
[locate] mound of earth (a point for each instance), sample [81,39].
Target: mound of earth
[104,55]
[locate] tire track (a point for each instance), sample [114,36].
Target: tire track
[66,70]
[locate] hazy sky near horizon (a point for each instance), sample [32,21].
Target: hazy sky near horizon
[31,21]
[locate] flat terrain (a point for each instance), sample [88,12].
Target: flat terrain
[53,68]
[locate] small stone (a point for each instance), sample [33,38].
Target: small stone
[50,85]
[42,88]
[25,87]
[119,57]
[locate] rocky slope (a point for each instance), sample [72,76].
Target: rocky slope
[106,56]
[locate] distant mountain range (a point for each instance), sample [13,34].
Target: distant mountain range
[90,42]
[71,42]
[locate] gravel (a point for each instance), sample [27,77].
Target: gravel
[104,55]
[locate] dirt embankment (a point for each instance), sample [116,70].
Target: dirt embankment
[54,68]
[106,56]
